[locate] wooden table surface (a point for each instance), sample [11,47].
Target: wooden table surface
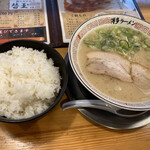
[69,130]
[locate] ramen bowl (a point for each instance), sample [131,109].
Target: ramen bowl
[100,24]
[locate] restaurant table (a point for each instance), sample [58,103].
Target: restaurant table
[69,130]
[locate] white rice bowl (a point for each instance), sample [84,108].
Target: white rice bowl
[29,83]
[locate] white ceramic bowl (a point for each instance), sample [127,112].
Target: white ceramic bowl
[86,27]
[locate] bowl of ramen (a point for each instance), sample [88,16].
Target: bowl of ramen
[110,56]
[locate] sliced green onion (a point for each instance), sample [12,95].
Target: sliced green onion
[103,43]
[136,45]
[124,44]
[111,44]
[146,44]
[105,48]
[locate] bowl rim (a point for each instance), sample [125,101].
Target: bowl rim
[137,106]
[59,96]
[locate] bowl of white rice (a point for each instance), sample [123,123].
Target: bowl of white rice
[33,79]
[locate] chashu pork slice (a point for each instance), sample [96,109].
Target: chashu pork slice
[110,64]
[141,76]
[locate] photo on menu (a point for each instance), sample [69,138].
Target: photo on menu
[72,13]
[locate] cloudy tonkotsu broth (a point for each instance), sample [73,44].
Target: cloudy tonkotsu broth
[128,43]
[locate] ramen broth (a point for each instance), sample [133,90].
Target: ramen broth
[115,39]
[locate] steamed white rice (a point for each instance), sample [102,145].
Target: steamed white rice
[29,83]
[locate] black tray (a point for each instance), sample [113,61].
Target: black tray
[75,90]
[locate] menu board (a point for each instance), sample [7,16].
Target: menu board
[28,19]
[23,19]
[72,13]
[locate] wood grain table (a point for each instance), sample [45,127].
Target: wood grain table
[69,130]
